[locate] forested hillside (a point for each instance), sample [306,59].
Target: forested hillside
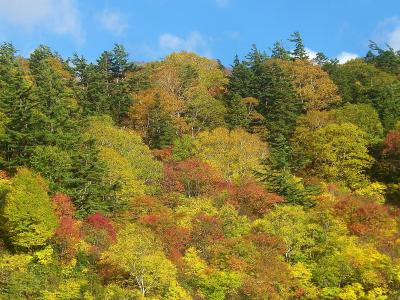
[275,178]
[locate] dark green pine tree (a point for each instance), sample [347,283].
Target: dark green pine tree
[220,65]
[278,178]
[321,59]
[240,79]
[121,87]
[256,62]
[103,88]
[278,51]
[237,114]
[89,192]
[120,63]
[93,87]
[384,59]
[58,111]
[282,107]
[18,110]
[161,131]
[299,51]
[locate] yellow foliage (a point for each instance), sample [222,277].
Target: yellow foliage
[313,85]
[374,190]
[143,101]
[70,289]
[45,256]
[235,154]
[14,263]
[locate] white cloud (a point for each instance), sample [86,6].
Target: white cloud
[344,57]
[194,42]
[113,21]
[222,3]
[170,41]
[59,16]
[388,31]
[311,53]
[394,38]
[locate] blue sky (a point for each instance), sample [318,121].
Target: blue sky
[150,29]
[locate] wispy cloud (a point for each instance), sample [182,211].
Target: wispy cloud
[394,36]
[113,21]
[58,16]
[388,31]
[311,53]
[194,42]
[222,3]
[168,43]
[344,57]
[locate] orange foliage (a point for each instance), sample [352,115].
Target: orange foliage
[192,176]
[68,233]
[251,198]
[366,219]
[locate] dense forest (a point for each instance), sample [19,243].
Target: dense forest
[277,177]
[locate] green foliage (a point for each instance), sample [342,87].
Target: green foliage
[299,51]
[259,184]
[338,153]
[105,87]
[360,82]
[161,131]
[53,163]
[138,254]
[127,143]
[365,117]
[292,225]
[183,148]
[282,105]
[29,217]
[213,285]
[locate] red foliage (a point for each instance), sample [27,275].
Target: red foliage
[392,143]
[251,198]
[172,181]
[157,221]
[176,239]
[100,222]
[192,176]
[68,233]
[206,230]
[151,219]
[64,205]
[145,205]
[365,219]
[99,232]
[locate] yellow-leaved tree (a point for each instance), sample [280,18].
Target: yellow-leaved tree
[139,255]
[189,88]
[129,162]
[235,154]
[313,85]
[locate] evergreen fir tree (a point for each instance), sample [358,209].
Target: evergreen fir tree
[87,188]
[282,107]
[321,59]
[299,51]
[237,115]
[240,79]
[278,51]
[58,112]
